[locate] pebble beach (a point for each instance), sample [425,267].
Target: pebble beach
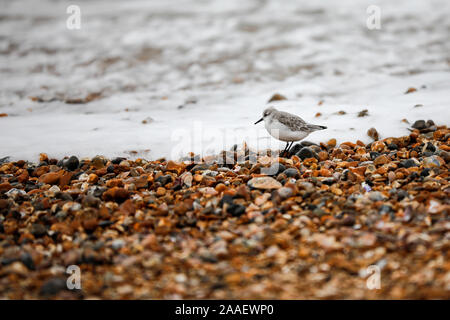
[304,226]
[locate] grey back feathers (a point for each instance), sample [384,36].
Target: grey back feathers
[293,122]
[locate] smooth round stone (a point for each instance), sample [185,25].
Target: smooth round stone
[419,124]
[431,162]
[285,192]
[164,179]
[265,183]
[275,169]
[72,163]
[38,230]
[430,147]
[392,146]
[236,209]
[91,201]
[200,167]
[98,162]
[306,153]
[296,148]
[117,244]
[408,163]
[376,196]
[291,173]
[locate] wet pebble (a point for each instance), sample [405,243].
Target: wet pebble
[291,173]
[306,152]
[264,183]
[71,164]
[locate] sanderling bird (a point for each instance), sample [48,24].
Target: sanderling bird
[287,127]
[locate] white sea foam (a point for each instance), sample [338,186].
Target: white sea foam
[214,65]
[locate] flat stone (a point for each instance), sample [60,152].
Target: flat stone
[264,183]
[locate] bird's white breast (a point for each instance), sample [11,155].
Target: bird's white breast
[281,132]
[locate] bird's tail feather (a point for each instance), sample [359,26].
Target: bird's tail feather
[315,127]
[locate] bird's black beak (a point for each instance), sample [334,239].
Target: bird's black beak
[259,120]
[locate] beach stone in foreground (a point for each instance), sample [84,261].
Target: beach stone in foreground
[266,183]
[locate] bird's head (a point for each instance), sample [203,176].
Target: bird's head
[266,114]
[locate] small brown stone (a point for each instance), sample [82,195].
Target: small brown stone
[114,183]
[62,227]
[373,133]
[90,224]
[277,97]
[50,178]
[116,194]
[93,178]
[40,171]
[378,146]
[65,178]
[177,167]
[380,160]
[5,186]
[4,203]
[410,90]
[128,207]
[331,143]
[43,157]
[23,177]
[264,183]
[323,155]
[160,191]
[325,173]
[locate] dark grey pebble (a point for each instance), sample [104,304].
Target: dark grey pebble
[349,220]
[226,199]
[329,181]
[402,194]
[27,260]
[97,191]
[63,196]
[53,286]
[295,148]
[385,209]
[430,147]
[105,223]
[91,201]
[4,160]
[392,146]
[164,179]
[200,167]
[425,172]
[306,152]
[308,143]
[274,169]
[419,124]
[374,155]
[38,230]
[118,160]
[408,163]
[236,209]
[292,173]
[72,163]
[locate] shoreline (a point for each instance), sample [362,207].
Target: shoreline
[308,226]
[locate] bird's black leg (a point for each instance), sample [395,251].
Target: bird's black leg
[289,148]
[285,148]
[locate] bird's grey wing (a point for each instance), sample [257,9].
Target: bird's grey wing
[293,122]
[315,127]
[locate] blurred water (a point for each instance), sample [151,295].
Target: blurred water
[134,59]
